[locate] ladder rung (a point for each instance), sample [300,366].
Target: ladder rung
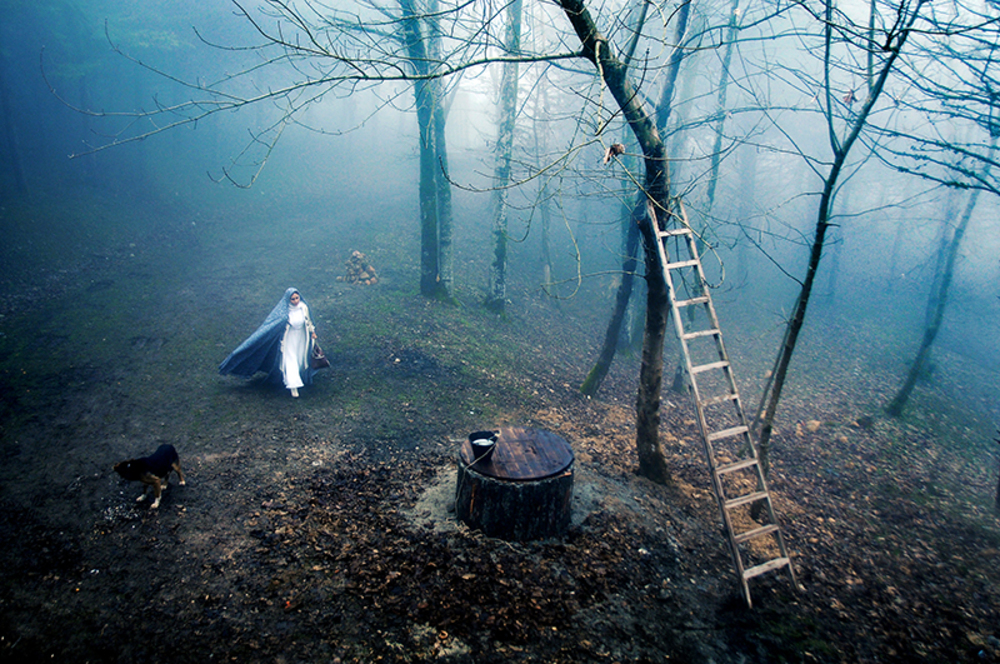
[694,300]
[749,498]
[675,231]
[722,364]
[680,264]
[765,567]
[714,401]
[699,333]
[756,532]
[728,433]
[739,465]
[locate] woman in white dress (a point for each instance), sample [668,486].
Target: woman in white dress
[282,346]
[296,344]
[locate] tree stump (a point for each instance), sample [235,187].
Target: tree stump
[522,491]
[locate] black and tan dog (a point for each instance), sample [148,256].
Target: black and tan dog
[153,471]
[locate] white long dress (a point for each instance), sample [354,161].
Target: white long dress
[295,347]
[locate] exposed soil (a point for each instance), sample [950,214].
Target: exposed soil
[322,529]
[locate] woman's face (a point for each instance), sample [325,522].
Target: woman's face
[294,299]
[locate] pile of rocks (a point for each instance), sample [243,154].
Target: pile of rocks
[359,270]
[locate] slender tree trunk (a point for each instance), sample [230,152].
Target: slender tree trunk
[837,248]
[940,300]
[665,109]
[630,218]
[544,193]
[941,257]
[892,276]
[445,289]
[840,152]
[720,109]
[630,263]
[497,297]
[747,186]
[545,212]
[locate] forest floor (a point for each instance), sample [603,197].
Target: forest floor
[322,528]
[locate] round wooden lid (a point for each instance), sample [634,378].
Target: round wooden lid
[522,454]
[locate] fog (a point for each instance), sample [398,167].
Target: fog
[112,150]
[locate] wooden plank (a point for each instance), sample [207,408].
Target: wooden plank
[702,368]
[743,500]
[756,532]
[728,433]
[522,454]
[770,565]
[738,465]
[674,232]
[699,333]
[714,401]
[701,299]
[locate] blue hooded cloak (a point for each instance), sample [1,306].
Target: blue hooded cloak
[262,350]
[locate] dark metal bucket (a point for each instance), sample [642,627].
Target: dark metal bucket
[483,443]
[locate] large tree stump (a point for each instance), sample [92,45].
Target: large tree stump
[522,491]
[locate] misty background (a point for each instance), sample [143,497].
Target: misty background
[169,168]
[92,165]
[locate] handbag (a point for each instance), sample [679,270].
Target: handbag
[318,360]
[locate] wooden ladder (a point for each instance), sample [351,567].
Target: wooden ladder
[755,539]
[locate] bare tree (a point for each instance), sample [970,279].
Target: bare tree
[895,35]
[656,187]
[420,36]
[631,217]
[955,75]
[938,300]
[309,50]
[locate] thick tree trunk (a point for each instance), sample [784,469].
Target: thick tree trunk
[436,263]
[416,46]
[647,424]
[657,188]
